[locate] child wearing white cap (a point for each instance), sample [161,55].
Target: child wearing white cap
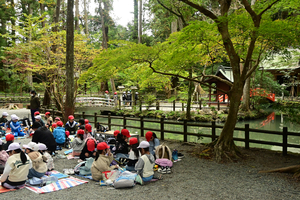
[43,150]
[16,126]
[38,118]
[3,157]
[16,168]
[39,166]
[144,165]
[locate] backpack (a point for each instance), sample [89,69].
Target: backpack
[100,128]
[25,122]
[163,151]
[84,168]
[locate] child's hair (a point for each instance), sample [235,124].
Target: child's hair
[22,155]
[82,127]
[81,121]
[146,149]
[98,154]
[30,150]
[80,136]
[135,150]
[41,152]
[154,135]
[120,137]
[1,148]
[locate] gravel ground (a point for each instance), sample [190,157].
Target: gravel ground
[191,178]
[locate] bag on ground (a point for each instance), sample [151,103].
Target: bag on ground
[163,151]
[163,162]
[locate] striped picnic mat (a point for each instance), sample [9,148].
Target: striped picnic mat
[59,185]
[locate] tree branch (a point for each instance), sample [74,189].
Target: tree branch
[220,79]
[169,9]
[201,9]
[267,8]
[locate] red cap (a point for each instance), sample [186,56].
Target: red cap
[90,145]
[149,135]
[106,91]
[60,123]
[102,146]
[9,137]
[36,113]
[88,127]
[125,132]
[67,133]
[80,132]
[116,132]
[133,141]
[54,125]
[57,118]
[115,93]
[71,117]
[47,113]
[86,121]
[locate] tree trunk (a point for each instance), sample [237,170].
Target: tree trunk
[190,92]
[29,73]
[140,21]
[85,18]
[113,86]
[246,96]
[135,20]
[104,36]
[225,144]
[77,15]
[69,103]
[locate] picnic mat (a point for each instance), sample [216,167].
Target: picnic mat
[16,138]
[2,189]
[88,177]
[70,156]
[58,174]
[59,185]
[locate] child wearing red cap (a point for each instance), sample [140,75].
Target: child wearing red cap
[78,143]
[102,161]
[153,141]
[87,131]
[88,149]
[60,134]
[49,119]
[9,139]
[71,125]
[121,144]
[134,154]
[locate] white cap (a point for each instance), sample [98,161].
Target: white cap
[5,114]
[14,117]
[144,144]
[32,145]
[42,147]
[38,117]
[1,142]
[13,146]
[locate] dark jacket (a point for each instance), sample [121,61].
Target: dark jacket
[3,120]
[71,127]
[121,147]
[34,102]
[43,135]
[85,150]
[5,146]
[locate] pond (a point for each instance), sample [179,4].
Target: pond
[273,122]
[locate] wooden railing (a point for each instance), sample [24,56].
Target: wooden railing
[247,131]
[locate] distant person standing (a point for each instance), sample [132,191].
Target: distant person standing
[116,98]
[124,98]
[129,98]
[34,104]
[106,97]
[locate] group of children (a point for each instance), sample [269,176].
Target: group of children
[140,157]
[17,164]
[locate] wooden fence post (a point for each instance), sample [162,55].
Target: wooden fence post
[142,126]
[174,105]
[185,130]
[124,121]
[213,131]
[141,106]
[246,136]
[218,105]
[95,118]
[182,106]
[157,105]
[284,141]
[83,115]
[200,104]
[109,121]
[162,129]
[120,104]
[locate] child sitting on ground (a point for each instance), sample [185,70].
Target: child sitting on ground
[134,154]
[53,127]
[121,144]
[16,126]
[153,141]
[16,168]
[88,149]
[3,119]
[9,139]
[87,131]
[78,143]
[43,150]
[144,166]
[49,119]
[56,119]
[102,161]
[71,125]
[39,166]
[3,157]
[38,118]
[59,134]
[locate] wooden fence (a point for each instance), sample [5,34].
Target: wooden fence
[247,130]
